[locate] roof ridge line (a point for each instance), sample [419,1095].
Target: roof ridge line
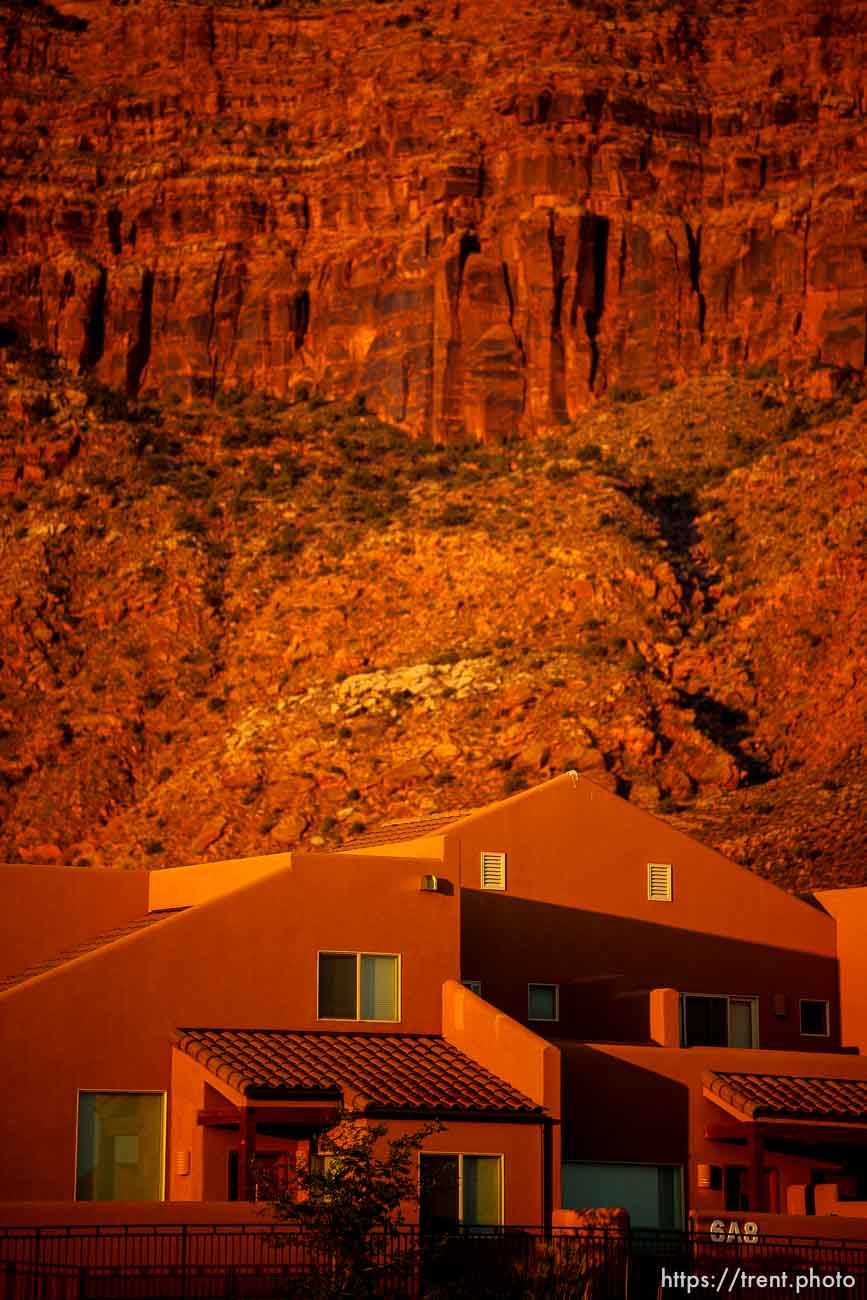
[97,942]
[317,1033]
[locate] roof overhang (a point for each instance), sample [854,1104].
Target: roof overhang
[746,1098]
[401,1075]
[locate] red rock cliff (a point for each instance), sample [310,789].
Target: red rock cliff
[479,217]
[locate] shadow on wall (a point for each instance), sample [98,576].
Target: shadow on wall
[605,966]
[616,1111]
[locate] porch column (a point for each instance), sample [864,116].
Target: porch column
[757,1153]
[246,1153]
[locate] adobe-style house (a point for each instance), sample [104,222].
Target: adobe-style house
[160,1029]
[702,1026]
[709,1063]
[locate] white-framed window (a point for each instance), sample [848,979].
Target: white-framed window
[475,986]
[543,1001]
[659,882]
[120,1143]
[358,986]
[493,871]
[460,1190]
[719,1020]
[814,1018]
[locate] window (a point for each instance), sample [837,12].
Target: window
[493,871]
[814,1018]
[475,986]
[358,986]
[659,882]
[459,1190]
[543,1001]
[719,1021]
[120,1146]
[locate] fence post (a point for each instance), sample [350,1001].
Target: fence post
[9,1287]
[184,1284]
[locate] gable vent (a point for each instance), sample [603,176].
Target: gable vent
[493,871]
[659,881]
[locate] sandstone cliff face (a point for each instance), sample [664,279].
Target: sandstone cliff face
[480,219]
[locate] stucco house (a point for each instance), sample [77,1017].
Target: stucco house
[702,1027]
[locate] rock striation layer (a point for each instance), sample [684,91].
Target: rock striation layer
[479,219]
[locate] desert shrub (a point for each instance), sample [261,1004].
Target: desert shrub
[108,403]
[797,420]
[454,515]
[190,524]
[559,473]
[515,780]
[247,435]
[619,393]
[767,370]
[287,544]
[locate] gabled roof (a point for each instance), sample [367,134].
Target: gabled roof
[88,945]
[392,1072]
[783,1097]
[415,828]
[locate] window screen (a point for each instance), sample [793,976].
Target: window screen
[338,993]
[120,1146]
[378,988]
[741,1022]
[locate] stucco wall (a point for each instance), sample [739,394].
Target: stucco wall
[848,907]
[575,913]
[45,910]
[244,960]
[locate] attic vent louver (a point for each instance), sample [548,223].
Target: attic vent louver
[493,871]
[659,881]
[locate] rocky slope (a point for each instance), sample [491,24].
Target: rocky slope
[480,219]
[236,628]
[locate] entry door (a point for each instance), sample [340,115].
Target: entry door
[735,1186]
[272,1168]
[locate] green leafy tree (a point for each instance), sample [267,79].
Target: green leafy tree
[347,1203]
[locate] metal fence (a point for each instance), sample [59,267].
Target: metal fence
[255,1262]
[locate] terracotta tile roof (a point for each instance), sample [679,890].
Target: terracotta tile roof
[88,945]
[776,1096]
[413,829]
[392,1072]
